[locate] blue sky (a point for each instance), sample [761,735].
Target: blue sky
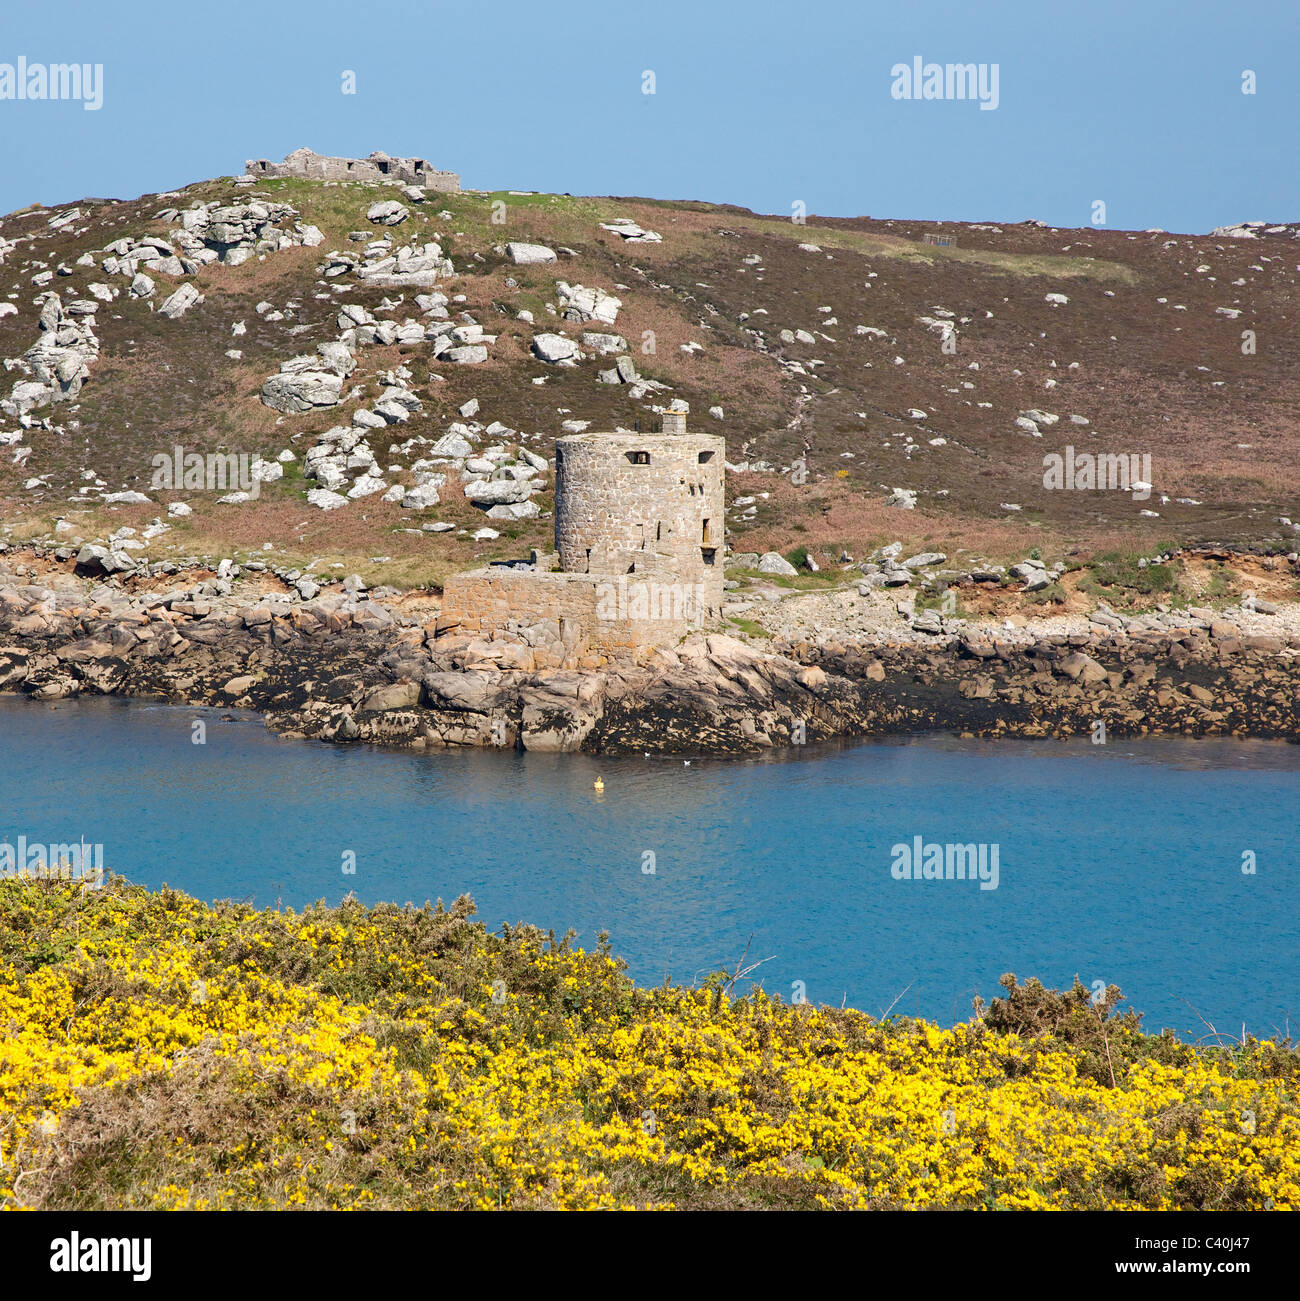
[1134,102]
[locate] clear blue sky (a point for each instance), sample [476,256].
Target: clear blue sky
[1135,102]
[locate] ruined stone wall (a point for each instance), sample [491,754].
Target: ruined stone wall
[652,504]
[591,612]
[378,167]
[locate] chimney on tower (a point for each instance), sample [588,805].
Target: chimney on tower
[675,417]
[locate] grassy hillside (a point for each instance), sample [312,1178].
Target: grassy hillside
[159,1052]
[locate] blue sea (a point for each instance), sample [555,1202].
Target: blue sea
[1120,863]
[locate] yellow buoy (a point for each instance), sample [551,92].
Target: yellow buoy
[599,784]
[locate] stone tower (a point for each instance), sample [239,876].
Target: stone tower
[640,533]
[646,504]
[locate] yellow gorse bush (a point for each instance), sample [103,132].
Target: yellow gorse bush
[160,1052]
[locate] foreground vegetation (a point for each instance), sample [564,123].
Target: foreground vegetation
[158,1052]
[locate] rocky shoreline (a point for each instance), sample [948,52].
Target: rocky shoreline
[349,666]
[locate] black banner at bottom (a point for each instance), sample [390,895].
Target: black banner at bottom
[146,1249]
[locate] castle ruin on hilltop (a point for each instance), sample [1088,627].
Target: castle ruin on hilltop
[377,167]
[639,535]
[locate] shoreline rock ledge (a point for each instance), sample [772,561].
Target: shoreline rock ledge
[348,666]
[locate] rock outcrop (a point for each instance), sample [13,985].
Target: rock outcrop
[346,666]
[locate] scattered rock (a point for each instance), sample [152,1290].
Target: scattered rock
[529,254]
[178,303]
[773,563]
[387,212]
[554,347]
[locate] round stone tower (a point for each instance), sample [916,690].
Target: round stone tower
[650,504]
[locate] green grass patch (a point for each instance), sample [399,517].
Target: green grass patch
[804,581]
[1117,569]
[1047,265]
[748,626]
[946,602]
[1220,583]
[1052,594]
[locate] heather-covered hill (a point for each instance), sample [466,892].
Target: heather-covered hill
[847,359]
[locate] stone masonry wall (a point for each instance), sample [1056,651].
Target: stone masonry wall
[643,502]
[590,611]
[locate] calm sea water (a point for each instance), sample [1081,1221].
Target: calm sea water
[1120,863]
